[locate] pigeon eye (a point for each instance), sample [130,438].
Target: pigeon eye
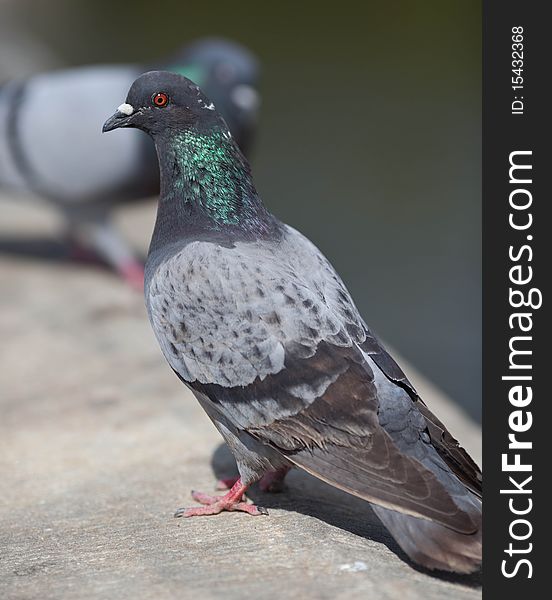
[160,99]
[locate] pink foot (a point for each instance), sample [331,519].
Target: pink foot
[133,273]
[213,505]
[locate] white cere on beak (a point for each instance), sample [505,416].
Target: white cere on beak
[205,106]
[245,97]
[126,109]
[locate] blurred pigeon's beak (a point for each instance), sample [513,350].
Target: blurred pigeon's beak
[121,118]
[245,97]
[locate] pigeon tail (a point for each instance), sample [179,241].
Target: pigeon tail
[432,545]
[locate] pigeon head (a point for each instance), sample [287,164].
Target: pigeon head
[206,183]
[160,101]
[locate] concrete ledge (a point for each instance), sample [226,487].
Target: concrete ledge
[100,443]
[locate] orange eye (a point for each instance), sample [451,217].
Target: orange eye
[160,99]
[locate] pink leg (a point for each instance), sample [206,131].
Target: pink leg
[273,481]
[226,484]
[133,273]
[213,505]
[78,252]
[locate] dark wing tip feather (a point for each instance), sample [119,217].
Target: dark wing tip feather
[459,461]
[456,458]
[407,487]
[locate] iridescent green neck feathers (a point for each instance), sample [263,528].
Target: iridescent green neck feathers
[208,171]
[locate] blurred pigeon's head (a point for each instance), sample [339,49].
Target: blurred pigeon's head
[225,70]
[222,61]
[229,74]
[159,101]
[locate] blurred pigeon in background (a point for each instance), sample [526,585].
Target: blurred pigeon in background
[257,323]
[51,144]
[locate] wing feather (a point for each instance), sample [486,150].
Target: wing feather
[329,426]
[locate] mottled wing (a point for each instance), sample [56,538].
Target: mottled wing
[231,315]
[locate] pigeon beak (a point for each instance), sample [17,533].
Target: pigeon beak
[121,118]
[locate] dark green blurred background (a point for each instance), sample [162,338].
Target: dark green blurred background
[369,142]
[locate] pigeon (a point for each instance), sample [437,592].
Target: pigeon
[50,145]
[256,322]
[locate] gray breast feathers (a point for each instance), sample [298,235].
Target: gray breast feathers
[227,315]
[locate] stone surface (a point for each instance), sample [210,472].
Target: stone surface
[100,443]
